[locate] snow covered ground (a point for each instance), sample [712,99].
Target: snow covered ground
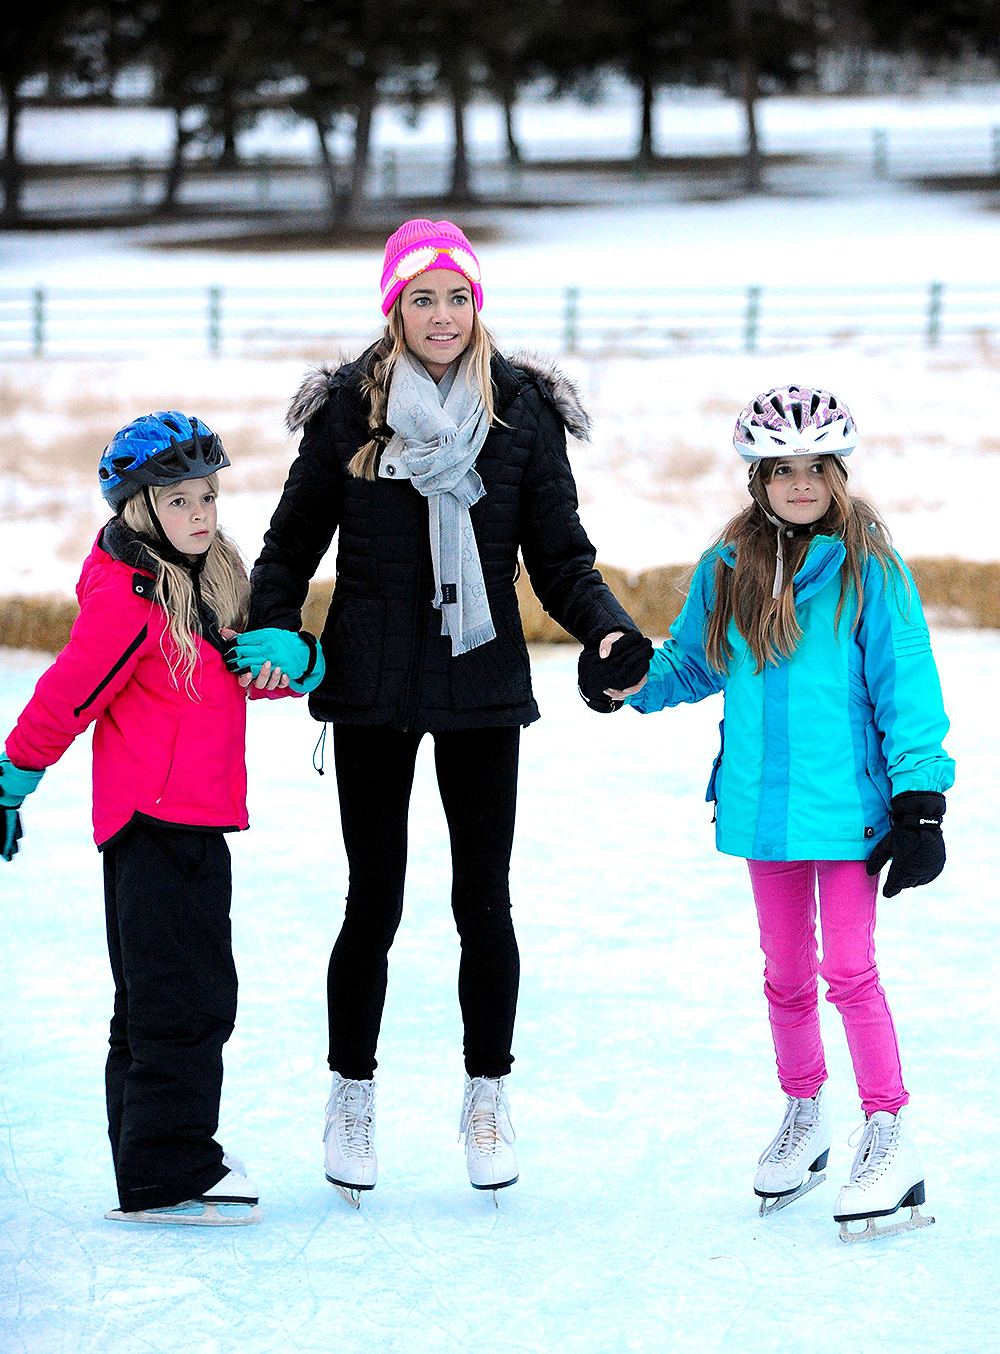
[642,1092]
[656,482]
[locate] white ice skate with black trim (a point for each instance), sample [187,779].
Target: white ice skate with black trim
[233,1202]
[885,1177]
[794,1161]
[489,1135]
[349,1136]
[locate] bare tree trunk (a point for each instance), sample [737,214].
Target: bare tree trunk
[747,83]
[228,156]
[362,145]
[333,199]
[175,170]
[461,187]
[13,170]
[509,97]
[646,134]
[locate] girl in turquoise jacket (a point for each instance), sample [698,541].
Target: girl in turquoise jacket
[830,764]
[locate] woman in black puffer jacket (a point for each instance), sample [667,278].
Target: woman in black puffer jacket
[430,450]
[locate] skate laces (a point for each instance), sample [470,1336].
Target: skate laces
[795,1128]
[352,1108]
[873,1152]
[485,1112]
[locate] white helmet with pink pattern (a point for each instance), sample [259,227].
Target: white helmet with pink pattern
[794,421]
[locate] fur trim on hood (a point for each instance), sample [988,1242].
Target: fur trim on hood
[559,389]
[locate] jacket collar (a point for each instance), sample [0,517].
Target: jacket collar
[130,548]
[823,559]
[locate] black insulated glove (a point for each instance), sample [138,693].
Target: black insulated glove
[10,832]
[914,842]
[625,666]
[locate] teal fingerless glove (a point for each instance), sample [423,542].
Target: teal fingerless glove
[298,655]
[15,784]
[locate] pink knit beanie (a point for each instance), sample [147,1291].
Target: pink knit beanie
[421,245]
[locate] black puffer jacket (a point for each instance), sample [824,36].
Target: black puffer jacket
[386,660]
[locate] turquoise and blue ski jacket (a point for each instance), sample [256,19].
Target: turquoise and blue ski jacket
[814,746]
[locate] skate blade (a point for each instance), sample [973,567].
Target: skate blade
[194,1214]
[771,1203]
[872,1231]
[350,1196]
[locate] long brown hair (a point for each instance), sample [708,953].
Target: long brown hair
[223,583]
[743,592]
[375,384]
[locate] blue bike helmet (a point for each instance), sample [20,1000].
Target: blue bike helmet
[160,448]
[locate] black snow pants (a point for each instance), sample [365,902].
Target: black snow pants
[477,778]
[167,894]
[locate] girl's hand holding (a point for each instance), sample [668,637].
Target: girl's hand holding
[605,678]
[268,678]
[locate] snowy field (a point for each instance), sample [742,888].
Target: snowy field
[656,482]
[643,1089]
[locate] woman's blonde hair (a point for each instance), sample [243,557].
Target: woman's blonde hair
[743,592]
[223,584]
[375,384]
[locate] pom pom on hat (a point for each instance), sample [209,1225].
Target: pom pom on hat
[419,245]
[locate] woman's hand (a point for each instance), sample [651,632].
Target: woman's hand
[605,650]
[606,677]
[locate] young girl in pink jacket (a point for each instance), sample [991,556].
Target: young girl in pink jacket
[161,593]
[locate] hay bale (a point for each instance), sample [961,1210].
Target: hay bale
[968,587]
[41,622]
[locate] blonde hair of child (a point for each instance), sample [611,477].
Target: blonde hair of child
[743,593]
[390,348]
[223,582]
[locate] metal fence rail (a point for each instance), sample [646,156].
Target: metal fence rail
[255,321]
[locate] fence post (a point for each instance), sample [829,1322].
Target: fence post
[752,318]
[263,178]
[138,180]
[389,176]
[880,152]
[571,318]
[995,140]
[38,322]
[935,296]
[214,320]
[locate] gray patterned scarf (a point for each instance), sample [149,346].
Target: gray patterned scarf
[439,430]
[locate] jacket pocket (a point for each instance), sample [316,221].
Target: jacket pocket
[875,767]
[497,674]
[353,642]
[711,796]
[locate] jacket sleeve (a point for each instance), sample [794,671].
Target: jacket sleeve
[902,680]
[557,551]
[303,524]
[106,642]
[680,672]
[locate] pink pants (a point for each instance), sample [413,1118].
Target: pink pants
[785,894]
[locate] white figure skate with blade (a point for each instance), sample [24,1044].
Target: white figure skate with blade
[233,1202]
[349,1136]
[793,1162]
[489,1135]
[885,1177]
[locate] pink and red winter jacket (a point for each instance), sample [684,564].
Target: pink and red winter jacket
[158,752]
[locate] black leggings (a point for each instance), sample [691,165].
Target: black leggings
[477,778]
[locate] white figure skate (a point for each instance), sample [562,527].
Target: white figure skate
[351,1163]
[233,1202]
[489,1135]
[885,1177]
[793,1162]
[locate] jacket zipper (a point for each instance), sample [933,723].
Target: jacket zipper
[419,638]
[109,675]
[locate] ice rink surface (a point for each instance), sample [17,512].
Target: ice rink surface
[642,1093]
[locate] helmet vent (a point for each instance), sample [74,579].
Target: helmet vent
[813,404]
